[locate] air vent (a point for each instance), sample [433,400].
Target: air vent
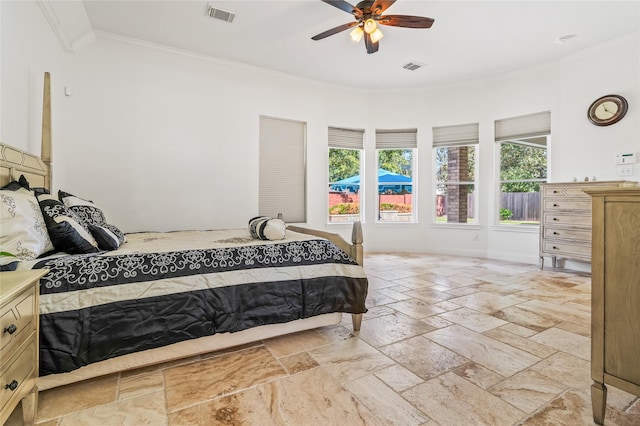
[220,14]
[412,66]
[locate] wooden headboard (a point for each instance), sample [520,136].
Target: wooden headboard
[15,162]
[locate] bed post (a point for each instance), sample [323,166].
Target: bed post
[356,240]
[45,148]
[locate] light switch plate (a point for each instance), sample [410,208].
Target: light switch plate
[625,170]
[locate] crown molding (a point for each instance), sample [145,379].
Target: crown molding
[68,45]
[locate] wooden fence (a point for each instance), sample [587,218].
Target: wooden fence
[524,205]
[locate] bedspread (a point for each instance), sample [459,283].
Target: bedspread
[162,288]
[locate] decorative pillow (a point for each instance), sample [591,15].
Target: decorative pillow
[266,228]
[24,233]
[92,215]
[106,238]
[14,185]
[66,229]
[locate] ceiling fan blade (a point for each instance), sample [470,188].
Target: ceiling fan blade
[343,5]
[406,21]
[381,5]
[333,31]
[370,45]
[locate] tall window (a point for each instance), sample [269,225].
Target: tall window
[455,152]
[522,160]
[396,182]
[282,169]
[345,171]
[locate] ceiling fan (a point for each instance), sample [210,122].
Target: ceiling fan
[368,14]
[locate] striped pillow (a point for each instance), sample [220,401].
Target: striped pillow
[266,228]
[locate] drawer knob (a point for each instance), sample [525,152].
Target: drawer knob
[11,329]
[555,218]
[13,385]
[555,233]
[555,248]
[555,192]
[555,205]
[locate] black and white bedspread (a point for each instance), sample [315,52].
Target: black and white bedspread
[162,288]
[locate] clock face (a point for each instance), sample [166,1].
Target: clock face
[607,110]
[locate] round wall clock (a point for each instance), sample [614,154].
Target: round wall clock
[607,110]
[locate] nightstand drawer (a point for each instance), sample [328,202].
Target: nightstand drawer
[567,233]
[565,191]
[18,372]
[17,320]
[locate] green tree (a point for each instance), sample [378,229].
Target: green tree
[343,163]
[396,160]
[522,162]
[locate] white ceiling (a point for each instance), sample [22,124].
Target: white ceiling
[469,39]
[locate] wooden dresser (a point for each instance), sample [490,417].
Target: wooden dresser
[565,219]
[19,309]
[615,299]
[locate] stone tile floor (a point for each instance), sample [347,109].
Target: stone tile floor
[447,340]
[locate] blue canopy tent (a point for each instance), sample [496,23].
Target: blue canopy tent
[387,182]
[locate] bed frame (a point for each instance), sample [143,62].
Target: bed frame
[15,162]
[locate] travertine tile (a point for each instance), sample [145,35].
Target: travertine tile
[376,298]
[298,362]
[473,320]
[570,408]
[391,328]
[398,378]
[415,308]
[293,401]
[486,302]
[581,329]
[451,400]
[204,380]
[243,408]
[575,372]
[423,357]
[526,318]
[395,292]
[478,375]
[518,330]
[429,295]
[520,342]
[565,341]
[571,312]
[143,383]
[447,306]
[528,390]
[146,409]
[350,359]
[296,342]
[387,406]
[60,401]
[437,322]
[490,353]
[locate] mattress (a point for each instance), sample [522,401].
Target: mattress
[163,288]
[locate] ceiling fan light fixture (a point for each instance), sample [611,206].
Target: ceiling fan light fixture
[356,34]
[370,26]
[376,35]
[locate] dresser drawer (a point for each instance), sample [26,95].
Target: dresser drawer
[558,248]
[19,369]
[565,191]
[553,233]
[17,320]
[567,204]
[568,219]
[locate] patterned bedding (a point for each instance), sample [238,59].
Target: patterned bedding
[162,288]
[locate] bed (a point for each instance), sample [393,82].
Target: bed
[165,296]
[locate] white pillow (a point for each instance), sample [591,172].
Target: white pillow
[24,232]
[265,228]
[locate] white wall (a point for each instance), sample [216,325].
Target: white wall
[165,140]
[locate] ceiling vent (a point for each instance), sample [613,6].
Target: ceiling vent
[220,14]
[412,66]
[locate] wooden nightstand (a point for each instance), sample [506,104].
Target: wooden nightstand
[19,309]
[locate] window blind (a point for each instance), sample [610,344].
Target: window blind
[396,139]
[282,169]
[346,138]
[524,126]
[461,134]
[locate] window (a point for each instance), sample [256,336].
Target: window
[455,152]
[345,171]
[282,169]
[522,161]
[396,182]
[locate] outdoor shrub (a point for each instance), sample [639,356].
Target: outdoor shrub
[345,208]
[506,214]
[400,208]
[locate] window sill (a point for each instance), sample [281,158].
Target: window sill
[525,229]
[470,226]
[396,224]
